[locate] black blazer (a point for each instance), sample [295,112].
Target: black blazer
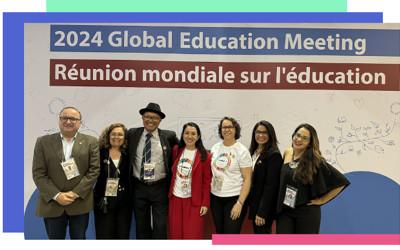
[168,140]
[264,186]
[123,195]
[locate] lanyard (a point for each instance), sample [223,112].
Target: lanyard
[108,168]
[67,149]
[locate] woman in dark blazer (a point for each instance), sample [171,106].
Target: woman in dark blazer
[267,162]
[113,211]
[189,193]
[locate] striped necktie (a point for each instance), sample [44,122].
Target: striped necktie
[146,157]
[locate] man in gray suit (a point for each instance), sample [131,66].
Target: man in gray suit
[65,167]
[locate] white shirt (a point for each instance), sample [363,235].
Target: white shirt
[116,162]
[226,164]
[67,147]
[254,158]
[67,151]
[183,177]
[156,155]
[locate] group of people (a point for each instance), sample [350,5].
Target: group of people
[169,185]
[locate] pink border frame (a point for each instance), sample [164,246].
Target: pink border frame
[306,239]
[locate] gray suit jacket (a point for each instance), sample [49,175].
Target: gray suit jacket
[50,179]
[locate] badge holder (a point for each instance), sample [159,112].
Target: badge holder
[112,187]
[112,184]
[149,171]
[217,183]
[290,196]
[70,169]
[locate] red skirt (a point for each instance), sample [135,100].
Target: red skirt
[184,220]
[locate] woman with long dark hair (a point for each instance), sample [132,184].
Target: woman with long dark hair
[189,193]
[267,162]
[307,182]
[113,210]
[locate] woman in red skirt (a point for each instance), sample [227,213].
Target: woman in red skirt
[189,193]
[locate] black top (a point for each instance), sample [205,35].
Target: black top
[264,186]
[123,197]
[326,179]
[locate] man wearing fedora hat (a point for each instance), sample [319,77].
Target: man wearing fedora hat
[149,152]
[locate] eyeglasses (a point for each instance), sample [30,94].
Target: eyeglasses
[300,137]
[66,118]
[264,133]
[116,135]
[151,118]
[228,127]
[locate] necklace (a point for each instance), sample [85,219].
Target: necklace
[294,162]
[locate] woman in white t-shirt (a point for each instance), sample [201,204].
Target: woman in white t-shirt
[231,181]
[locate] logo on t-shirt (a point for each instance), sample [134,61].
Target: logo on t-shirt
[184,168]
[223,161]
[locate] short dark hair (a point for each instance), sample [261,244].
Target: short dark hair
[235,125]
[71,107]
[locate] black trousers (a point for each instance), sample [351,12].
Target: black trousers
[56,228]
[302,220]
[221,211]
[115,224]
[265,229]
[151,209]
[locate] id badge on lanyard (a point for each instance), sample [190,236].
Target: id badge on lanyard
[70,169]
[185,187]
[217,182]
[290,196]
[112,187]
[149,171]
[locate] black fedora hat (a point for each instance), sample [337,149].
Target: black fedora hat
[152,107]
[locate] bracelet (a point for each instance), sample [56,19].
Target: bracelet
[240,203]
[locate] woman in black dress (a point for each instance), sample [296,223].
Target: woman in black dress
[307,182]
[267,162]
[113,211]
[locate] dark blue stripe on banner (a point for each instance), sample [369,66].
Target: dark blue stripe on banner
[224,40]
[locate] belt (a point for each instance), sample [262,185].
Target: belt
[150,183]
